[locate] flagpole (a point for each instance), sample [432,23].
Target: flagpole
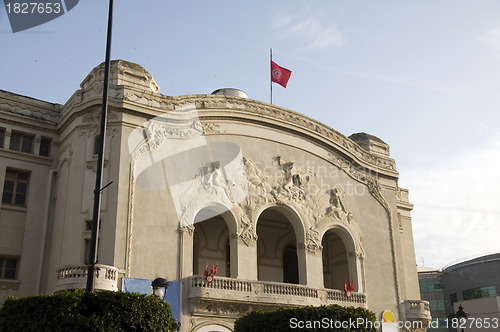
[94,237]
[271,72]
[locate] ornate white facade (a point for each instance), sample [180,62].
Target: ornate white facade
[287,207]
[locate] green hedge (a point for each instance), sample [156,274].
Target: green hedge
[81,311]
[323,318]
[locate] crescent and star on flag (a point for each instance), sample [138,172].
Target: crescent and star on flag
[279,74]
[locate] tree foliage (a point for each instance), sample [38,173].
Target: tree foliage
[323,318]
[78,310]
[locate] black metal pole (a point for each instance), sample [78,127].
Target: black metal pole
[100,161]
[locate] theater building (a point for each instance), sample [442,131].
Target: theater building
[290,210]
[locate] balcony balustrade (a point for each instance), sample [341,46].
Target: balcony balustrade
[235,296]
[75,276]
[417,313]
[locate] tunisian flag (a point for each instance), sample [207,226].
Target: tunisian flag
[279,74]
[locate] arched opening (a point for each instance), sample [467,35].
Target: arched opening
[213,328]
[335,262]
[276,248]
[211,244]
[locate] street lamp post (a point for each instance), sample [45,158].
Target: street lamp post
[160,286]
[461,316]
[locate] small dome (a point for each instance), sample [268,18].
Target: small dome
[230,92]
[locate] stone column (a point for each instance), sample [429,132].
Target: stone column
[314,264]
[246,253]
[359,273]
[186,251]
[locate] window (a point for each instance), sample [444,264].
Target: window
[88,225]
[15,187]
[87,238]
[8,268]
[44,147]
[436,304]
[21,142]
[430,286]
[96,145]
[453,298]
[442,322]
[2,137]
[479,292]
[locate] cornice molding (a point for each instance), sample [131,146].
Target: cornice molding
[214,108]
[253,111]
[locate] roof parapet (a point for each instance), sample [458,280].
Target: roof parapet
[371,143]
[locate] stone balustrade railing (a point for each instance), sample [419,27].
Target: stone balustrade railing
[416,309]
[289,289]
[417,314]
[267,292]
[222,284]
[340,296]
[75,276]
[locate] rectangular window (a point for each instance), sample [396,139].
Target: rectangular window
[8,267]
[436,305]
[86,253]
[2,137]
[442,322]
[96,145]
[15,187]
[453,298]
[479,292]
[430,286]
[88,225]
[86,258]
[21,142]
[87,235]
[44,147]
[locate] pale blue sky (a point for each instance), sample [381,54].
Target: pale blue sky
[424,76]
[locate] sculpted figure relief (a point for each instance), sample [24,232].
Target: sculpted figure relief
[337,207]
[213,181]
[313,242]
[291,184]
[259,188]
[288,185]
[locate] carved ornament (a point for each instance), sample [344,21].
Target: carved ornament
[227,307]
[94,116]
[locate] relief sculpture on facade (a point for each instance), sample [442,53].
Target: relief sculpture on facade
[288,185]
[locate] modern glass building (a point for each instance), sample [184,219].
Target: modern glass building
[472,283]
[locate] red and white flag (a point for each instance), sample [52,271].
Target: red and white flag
[279,74]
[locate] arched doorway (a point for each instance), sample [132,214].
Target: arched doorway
[335,261]
[211,244]
[213,328]
[277,258]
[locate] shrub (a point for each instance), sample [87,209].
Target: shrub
[304,318]
[81,311]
